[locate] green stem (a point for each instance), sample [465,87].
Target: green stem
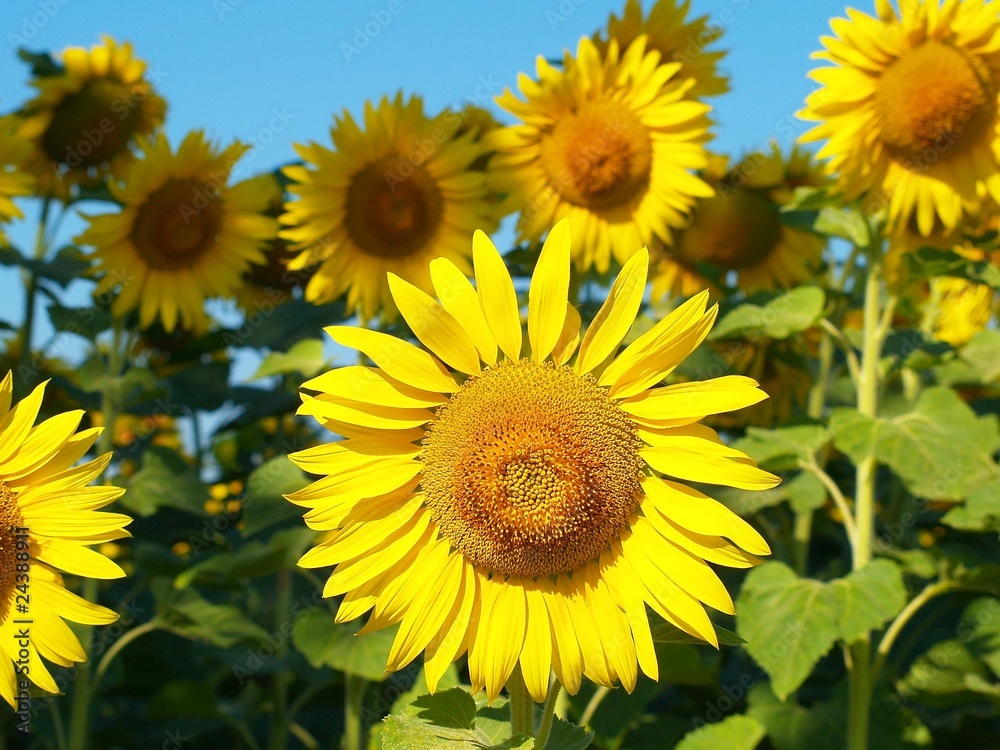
[595,700]
[875,329]
[111,653]
[522,705]
[932,590]
[354,699]
[801,532]
[31,288]
[283,613]
[545,728]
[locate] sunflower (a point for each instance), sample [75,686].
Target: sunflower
[910,110]
[183,233]
[48,517]
[670,33]
[607,141]
[739,229]
[13,182]
[85,120]
[390,198]
[512,504]
[964,308]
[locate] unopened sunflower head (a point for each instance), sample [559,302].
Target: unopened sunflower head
[910,110]
[86,118]
[739,229]
[676,38]
[610,142]
[523,499]
[183,234]
[49,518]
[396,191]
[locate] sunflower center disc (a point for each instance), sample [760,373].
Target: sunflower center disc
[10,519]
[177,223]
[936,98]
[732,230]
[531,470]
[92,126]
[393,208]
[600,156]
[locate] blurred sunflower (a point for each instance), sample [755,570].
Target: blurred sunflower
[390,198]
[183,233]
[85,120]
[910,110]
[739,228]
[678,40]
[13,181]
[48,519]
[608,141]
[964,308]
[513,506]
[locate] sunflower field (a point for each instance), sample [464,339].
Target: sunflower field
[531,422]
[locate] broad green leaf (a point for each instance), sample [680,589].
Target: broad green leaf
[780,317]
[190,615]
[928,262]
[977,363]
[664,632]
[791,622]
[979,512]
[914,349]
[568,736]
[453,720]
[791,726]
[803,491]
[947,675]
[265,505]
[165,479]
[940,449]
[782,448]
[737,732]
[845,223]
[980,624]
[305,357]
[324,643]
[808,198]
[255,559]
[69,263]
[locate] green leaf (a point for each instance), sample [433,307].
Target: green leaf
[453,720]
[928,262]
[914,349]
[794,727]
[568,736]
[664,632]
[940,449]
[845,223]
[253,560]
[791,622]
[794,311]
[732,733]
[782,448]
[165,480]
[980,624]
[265,504]
[190,615]
[807,198]
[305,357]
[804,491]
[42,64]
[979,512]
[325,643]
[978,361]
[948,675]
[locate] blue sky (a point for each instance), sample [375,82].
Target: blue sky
[272,73]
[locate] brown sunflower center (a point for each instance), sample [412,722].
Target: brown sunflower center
[732,230]
[92,126]
[531,470]
[934,97]
[177,223]
[600,156]
[393,208]
[10,520]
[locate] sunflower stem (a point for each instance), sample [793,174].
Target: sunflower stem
[548,714]
[876,326]
[282,616]
[31,291]
[354,699]
[522,705]
[117,646]
[595,700]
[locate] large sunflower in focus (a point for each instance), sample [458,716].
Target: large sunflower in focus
[910,110]
[679,40]
[183,233]
[507,497]
[86,119]
[609,141]
[739,229]
[48,518]
[13,181]
[391,197]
